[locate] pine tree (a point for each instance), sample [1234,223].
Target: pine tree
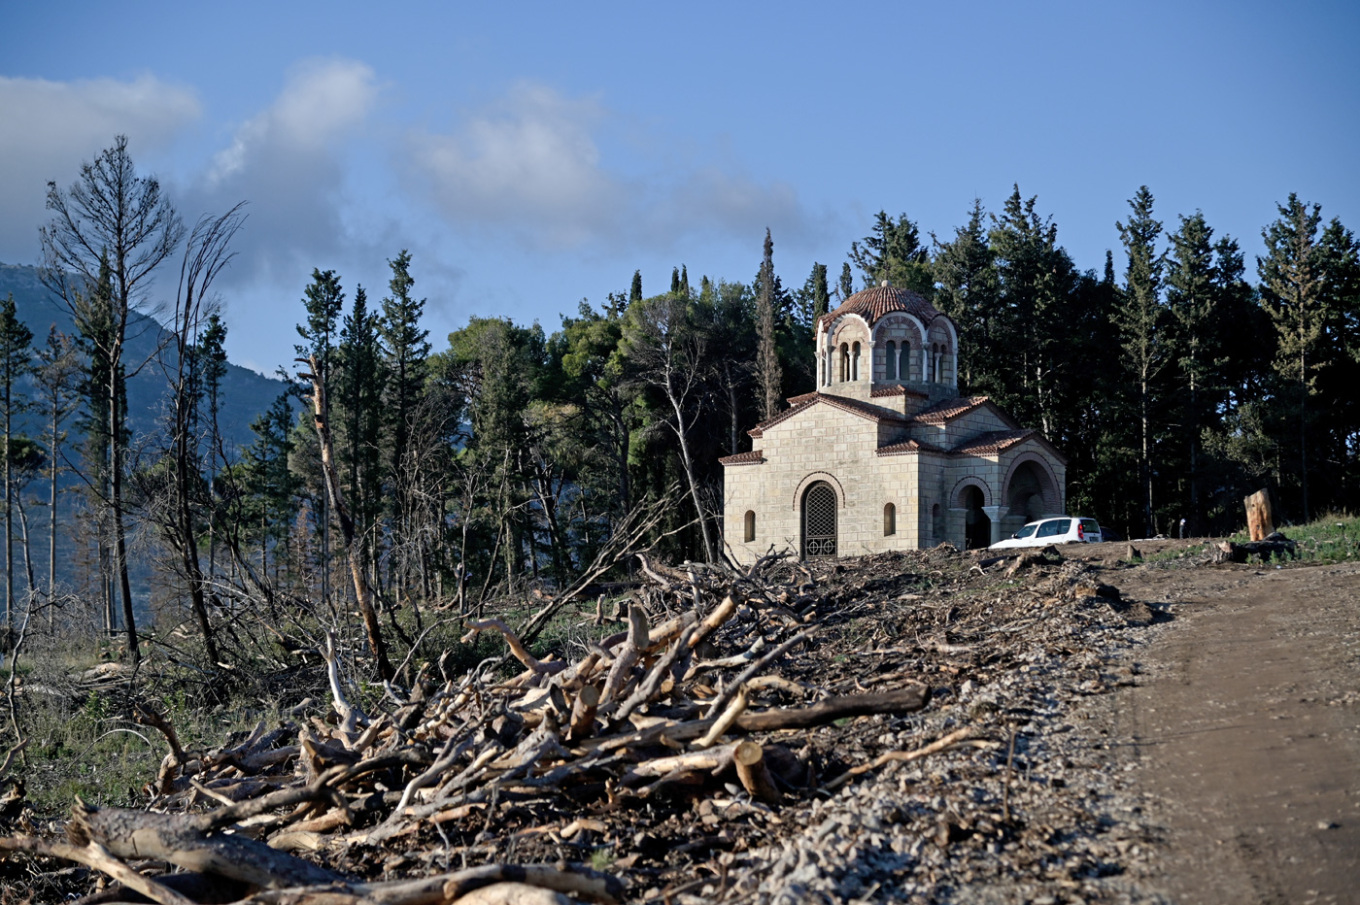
[1308,289]
[16,362]
[270,486]
[635,291]
[359,415]
[102,425]
[211,355]
[405,350]
[893,252]
[968,292]
[57,376]
[323,300]
[1140,319]
[667,351]
[1035,321]
[1203,285]
[845,287]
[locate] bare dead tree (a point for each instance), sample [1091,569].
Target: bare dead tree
[354,547]
[205,255]
[668,351]
[116,225]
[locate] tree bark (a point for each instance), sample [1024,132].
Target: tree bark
[354,549]
[178,839]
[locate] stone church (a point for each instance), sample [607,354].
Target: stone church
[885,455]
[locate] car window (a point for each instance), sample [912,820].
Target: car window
[1090,526]
[1054,527]
[1026,531]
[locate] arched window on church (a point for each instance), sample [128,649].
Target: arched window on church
[854,362]
[938,354]
[889,520]
[891,361]
[927,364]
[750,533]
[845,362]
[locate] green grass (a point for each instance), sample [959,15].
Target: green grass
[1335,537]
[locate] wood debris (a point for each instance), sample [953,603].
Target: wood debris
[722,712]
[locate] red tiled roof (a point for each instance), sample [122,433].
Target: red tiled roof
[854,406]
[908,447]
[991,443]
[876,301]
[759,429]
[743,458]
[896,390]
[948,410]
[802,398]
[863,409]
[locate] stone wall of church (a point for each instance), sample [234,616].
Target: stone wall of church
[828,444]
[926,489]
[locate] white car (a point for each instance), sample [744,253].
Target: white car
[1061,529]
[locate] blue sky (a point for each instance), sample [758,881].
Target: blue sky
[530,155]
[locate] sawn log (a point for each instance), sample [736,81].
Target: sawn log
[177,839]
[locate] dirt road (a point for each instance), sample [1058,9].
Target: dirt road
[1244,729]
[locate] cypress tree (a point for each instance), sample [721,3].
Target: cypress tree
[821,297]
[768,371]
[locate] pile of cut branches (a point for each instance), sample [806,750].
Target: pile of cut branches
[685,702]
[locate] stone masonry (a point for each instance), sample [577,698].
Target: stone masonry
[885,455]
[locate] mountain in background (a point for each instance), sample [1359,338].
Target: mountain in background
[245,394]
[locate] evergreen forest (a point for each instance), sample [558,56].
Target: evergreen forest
[400,473]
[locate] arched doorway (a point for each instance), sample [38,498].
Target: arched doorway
[977,532]
[1028,492]
[819,522]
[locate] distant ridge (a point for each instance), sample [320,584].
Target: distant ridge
[245,393]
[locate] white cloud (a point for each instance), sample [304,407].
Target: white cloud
[289,164]
[323,100]
[532,165]
[297,164]
[710,199]
[50,128]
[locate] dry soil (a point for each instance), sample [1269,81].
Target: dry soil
[1243,730]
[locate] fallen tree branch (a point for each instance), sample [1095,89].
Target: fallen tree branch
[95,856]
[954,738]
[177,839]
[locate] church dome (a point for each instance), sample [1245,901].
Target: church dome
[874,303]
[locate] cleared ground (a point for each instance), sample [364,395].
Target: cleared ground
[1243,730]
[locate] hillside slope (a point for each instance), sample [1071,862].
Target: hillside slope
[245,394]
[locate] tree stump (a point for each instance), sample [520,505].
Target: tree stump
[1260,517]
